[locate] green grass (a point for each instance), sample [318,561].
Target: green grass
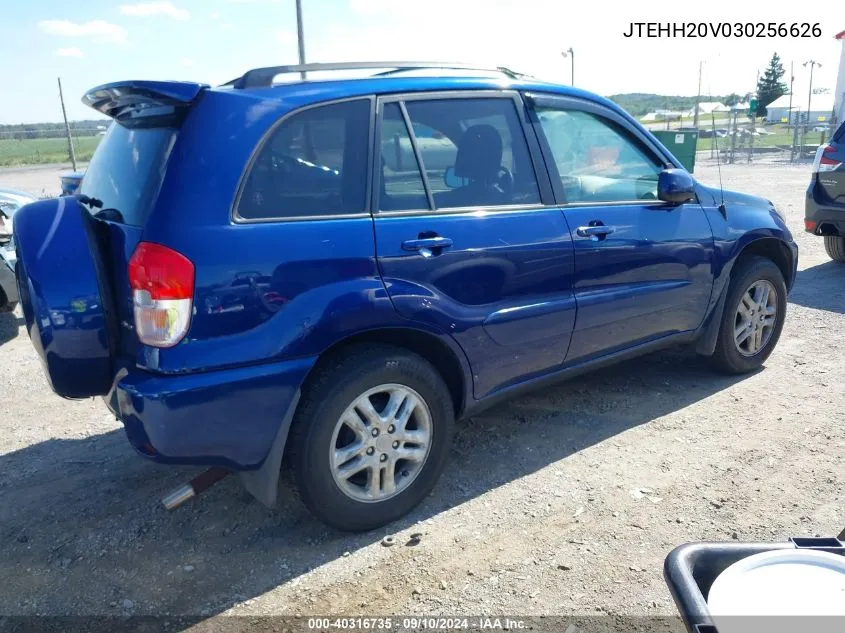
[781,138]
[773,140]
[36,151]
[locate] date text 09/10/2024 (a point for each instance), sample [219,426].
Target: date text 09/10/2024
[722,29]
[416,623]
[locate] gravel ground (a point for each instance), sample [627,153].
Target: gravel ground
[565,501]
[40,180]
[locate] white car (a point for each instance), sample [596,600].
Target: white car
[10,201]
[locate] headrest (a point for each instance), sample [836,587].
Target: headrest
[479,153]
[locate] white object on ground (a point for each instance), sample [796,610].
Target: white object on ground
[789,582]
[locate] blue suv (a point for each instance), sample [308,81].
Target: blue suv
[331,271]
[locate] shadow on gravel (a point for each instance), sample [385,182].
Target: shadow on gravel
[9,324]
[820,287]
[83,533]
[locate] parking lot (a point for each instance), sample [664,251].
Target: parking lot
[565,501]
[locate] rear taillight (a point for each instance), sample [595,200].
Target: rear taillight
[162,283]
[824,162]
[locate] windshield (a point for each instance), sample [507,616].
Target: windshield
[126,171]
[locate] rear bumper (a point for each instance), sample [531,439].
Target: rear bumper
[820,218]
[226,418]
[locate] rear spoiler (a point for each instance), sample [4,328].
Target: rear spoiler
[133,101]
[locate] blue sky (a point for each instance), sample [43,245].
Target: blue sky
[89,42]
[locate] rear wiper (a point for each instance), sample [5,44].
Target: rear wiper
[94,203]
[110,215]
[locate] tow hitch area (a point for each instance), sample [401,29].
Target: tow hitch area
[198,484]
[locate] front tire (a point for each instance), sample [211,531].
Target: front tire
[753,317]
[371,436]
[835,247]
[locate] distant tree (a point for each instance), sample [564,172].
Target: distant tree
[769,86]
[639,104]
[732,99]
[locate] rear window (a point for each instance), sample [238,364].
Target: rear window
[126,171]
[313,164]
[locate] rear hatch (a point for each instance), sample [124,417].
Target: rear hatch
[829,168]
[85,241]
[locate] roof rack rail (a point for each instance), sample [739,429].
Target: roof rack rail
[263,77]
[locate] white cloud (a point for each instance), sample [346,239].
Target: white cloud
[98,30]
[215,16]
[187,62]
[226,27]
[147,9]
[285,37]
[69,52]
[368,6]
[253,1]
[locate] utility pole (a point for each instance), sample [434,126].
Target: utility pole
[791,81]
[715,143]
[733,136]
[812,63]
[300,36]
[570,53]
[70,151]
[698,96]
[794,147]
[752,114]
[751,136]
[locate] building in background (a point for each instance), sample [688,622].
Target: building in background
[822,104]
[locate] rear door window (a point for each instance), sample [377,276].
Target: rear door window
[401,180]
[126,171]
[472,150]
[313,164]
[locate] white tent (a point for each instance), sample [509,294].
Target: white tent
[708,107]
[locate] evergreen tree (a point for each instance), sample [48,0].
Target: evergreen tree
[732,99]
[769,86]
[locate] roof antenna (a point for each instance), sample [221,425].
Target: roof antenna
[718,164]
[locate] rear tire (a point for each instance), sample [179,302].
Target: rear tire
[332,437]
[835,247]
[749,331]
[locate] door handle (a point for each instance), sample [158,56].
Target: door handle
[424,245]
[595,232]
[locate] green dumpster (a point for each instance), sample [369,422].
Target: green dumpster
[681,143]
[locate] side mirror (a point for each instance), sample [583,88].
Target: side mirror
[452,181]
[675,186]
